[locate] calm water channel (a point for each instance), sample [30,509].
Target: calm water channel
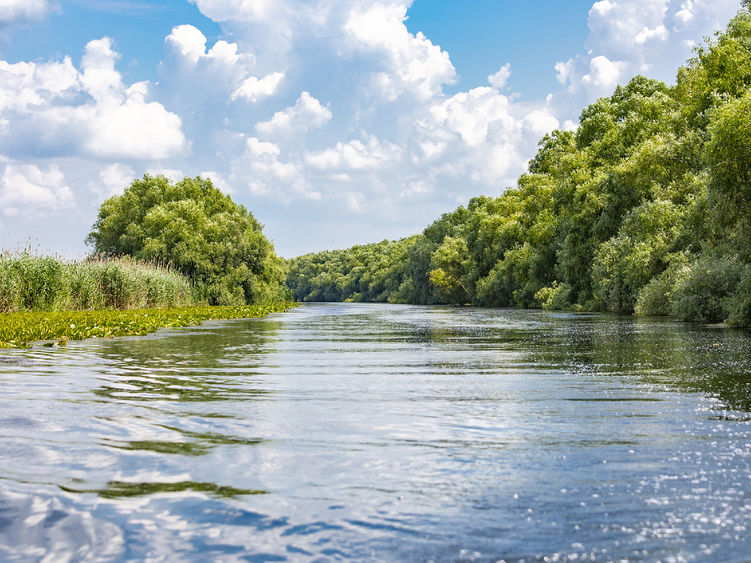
[382,432]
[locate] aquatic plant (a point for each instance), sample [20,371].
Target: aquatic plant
[19,330]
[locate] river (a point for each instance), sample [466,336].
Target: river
[382,432]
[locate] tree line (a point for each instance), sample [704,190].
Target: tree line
[645,208]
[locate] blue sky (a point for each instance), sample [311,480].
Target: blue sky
[335,121]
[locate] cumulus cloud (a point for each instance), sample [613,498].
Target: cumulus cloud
[172,174]
[500,78]
[307,113]
[471,114]
[412,63]
[628,37]
[355,155]
[254,89]
[257,147]
[28,187]
[113,179]
[57,110]
[20,10]
[604,74]
[194,73]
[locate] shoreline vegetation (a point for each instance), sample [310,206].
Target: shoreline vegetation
[644,208]
[45,283]
[164,255]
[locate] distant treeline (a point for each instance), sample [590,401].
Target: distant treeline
[645,208]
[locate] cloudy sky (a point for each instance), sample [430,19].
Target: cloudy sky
[335,121]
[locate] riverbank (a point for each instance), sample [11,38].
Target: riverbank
[20,330]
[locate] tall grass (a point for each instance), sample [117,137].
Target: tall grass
[44,283]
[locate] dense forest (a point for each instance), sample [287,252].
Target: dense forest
[645,208]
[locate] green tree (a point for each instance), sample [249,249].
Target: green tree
[450,267]
[728,153]
[196,229]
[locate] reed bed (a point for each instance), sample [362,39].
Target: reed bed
[45,283]
[19,330]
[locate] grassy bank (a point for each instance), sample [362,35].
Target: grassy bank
[44,283]
[19,330]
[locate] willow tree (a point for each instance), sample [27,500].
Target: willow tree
[198,230]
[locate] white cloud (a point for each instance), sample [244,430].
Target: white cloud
[27,187]
[172,174]
[306,114]
[234,10]
[500,78]
[355,155]
[188,41]
[113,179]
[564,70]
[188,44]
[260,148]
[615,25]
[416,189]
[18,10]
[412,63]
[355,201]
[628,37]
[470,115]
[540,122]
[604,74]
[659,33]
[254,89]
[58,110]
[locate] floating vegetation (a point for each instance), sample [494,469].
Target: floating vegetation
[19,330]
[121,489]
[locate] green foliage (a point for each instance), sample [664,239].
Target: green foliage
[197,230]
[554,298]
[704,291]
[739,305]
[656,297]
[373,273]
[728,153]
[645,208]
[450,266]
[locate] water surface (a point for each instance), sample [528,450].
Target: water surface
[382,432]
